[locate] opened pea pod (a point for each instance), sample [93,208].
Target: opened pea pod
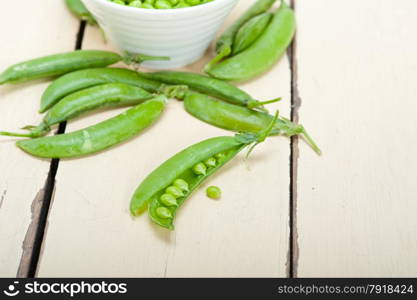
[58,64]
[97,137]
[166,188]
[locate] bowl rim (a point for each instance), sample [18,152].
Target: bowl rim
[169,11]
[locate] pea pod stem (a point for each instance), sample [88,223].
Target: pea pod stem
[259,104]
[131,58]
[224,51]
[182,165]
[310,140]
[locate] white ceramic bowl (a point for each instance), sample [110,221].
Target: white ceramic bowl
[183,34]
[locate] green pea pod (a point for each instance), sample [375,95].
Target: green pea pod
[102,96]
[224,44]
[97,137]
[79,9]
[82,79]
[182,166]
[210,86]
[240,119]
[264,53]
[62,63]
[250,32]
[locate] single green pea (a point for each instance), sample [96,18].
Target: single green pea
[193,2]
[147,5]
[174,191]
[182,4]
[211,162]
[136,3]
[168,200]
[220,156]
[214,192]
[84,101]
[79,10]
[164,213]
[163,4]
[182,185]
[200,169]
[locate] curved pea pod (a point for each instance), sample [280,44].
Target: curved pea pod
[264,53]
[180,166]
[97,137]
[79,9]
[250,32]
[58,64]
[102,96]
[82,79]
[240,119]
[207,85]
[224,44]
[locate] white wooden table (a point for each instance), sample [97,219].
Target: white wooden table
[350,78]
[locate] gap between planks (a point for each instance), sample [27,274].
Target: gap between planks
[293,251]
[32,244]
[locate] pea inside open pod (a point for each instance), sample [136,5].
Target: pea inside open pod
[185,167]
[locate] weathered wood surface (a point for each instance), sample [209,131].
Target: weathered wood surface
[25,33]
[354,86]
[357,72]
[244,234]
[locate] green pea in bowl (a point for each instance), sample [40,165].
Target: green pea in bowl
[182,31]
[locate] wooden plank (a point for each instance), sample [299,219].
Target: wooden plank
[41,28]
[357,70]
[245,234]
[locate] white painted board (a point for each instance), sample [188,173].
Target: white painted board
[41,28]
[90,230]
[357,72]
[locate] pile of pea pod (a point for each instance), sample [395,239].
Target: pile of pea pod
[160,4]
[254,43]
[84,83]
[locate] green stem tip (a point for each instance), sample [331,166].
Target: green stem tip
[140,58]
[310,141]
[225,51]
[14,134]
[35,131]
[260,104]
[261,137]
